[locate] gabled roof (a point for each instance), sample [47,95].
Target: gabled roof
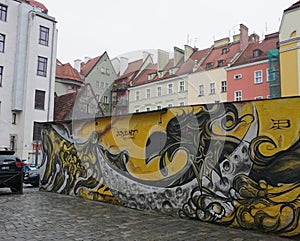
[66,71]
[36,4]
[131,71]
[270,42]
[86,68]
[216,55]
[294,6]
[63,105]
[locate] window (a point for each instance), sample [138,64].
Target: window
[137,95]
[159,107]
[39,101]
[212,88]
[3,13]
[223,86]
[209,65]
[148,93]
[98,84]
[102,70]
[148,109]
[1,75]
[158,91]
[181,86]
[181,103]
[44,36]
[201,90]
[170,105]
[238,95]
[258,98]
[258,77]
[105,99]
[224,51]
[42,66]
[107,72]
[97,97]
[13,142]
[37,131]
[237,76]
[256,53]
[14,118]
[2,42]
[170,88]
[137,110]
[221,63]
[102,84]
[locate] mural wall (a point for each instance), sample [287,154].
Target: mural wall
[236,164]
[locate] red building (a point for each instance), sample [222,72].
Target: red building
[247,77]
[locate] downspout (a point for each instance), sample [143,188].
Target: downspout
[50,76]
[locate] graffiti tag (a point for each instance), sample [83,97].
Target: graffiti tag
[127,134]
[281,124]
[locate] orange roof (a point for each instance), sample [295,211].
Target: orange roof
[270,42]
[86,68]
[63,105]
[36,4]
[131,71]
[66,71]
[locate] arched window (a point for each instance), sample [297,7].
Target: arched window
[256,53]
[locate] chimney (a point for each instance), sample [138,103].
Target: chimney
[188,51]
[86,59]
[77,65]
[123,64]
[244,38]
[162,59]
[253,38]
[178,55]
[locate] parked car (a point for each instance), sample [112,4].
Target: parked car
[32,176]
[11,171]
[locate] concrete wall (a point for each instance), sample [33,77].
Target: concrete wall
[236,164]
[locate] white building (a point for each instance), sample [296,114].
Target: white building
[28,43]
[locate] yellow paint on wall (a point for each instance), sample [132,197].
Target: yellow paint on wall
[289,70]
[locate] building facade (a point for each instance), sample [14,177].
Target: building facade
[289,51]
[248,77]
[28,43]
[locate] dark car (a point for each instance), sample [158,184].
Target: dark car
[32,177]
[11,171]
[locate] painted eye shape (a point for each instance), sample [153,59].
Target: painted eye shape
[226,166]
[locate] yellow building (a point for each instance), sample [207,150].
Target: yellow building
[289,49]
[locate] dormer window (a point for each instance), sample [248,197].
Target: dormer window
[209,65]
[221,62]
[256,53]
[151,76]
[224,51]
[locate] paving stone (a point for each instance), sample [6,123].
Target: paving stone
[37,215]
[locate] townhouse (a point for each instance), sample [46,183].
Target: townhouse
[248,77]
[67,79]
[28,43]
[100,74]
[289,51]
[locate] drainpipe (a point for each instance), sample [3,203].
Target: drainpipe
[50,76]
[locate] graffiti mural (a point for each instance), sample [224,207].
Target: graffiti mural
[237,164]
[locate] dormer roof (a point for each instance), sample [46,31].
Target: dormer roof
[36,4]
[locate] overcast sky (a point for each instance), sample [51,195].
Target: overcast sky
[88,28]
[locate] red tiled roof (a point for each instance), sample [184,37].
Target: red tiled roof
[134,66]
[66,71]
[295,5]
[131,71]
[89,65]
[36,4]
[187,67]
[270,42]
[63,105]
[216,55]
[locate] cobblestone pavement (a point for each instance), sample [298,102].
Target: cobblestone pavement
[37,215]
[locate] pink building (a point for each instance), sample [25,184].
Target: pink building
[247,77]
